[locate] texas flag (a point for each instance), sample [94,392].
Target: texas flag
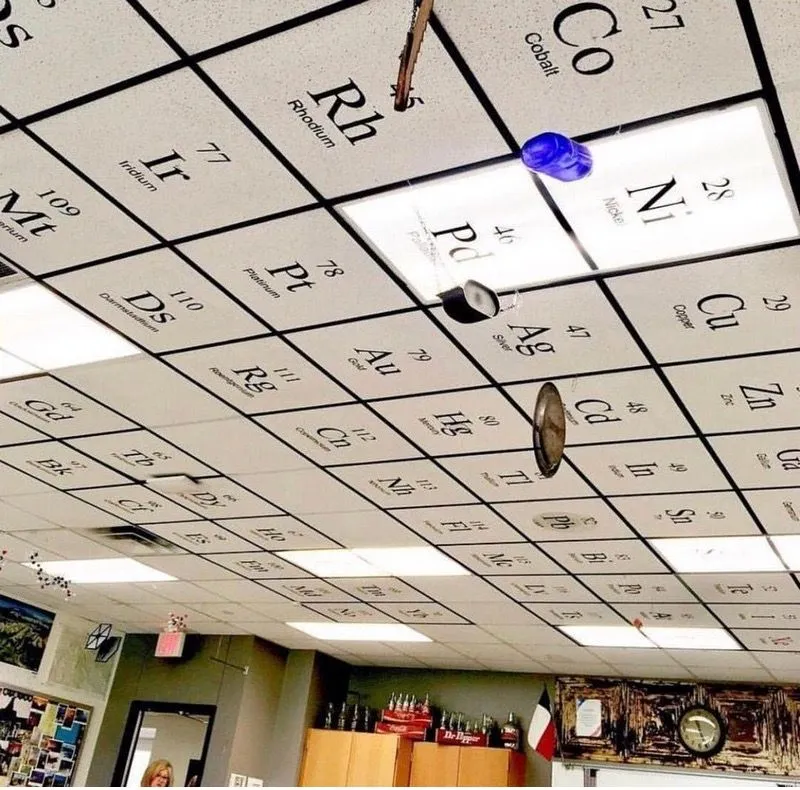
[542,732]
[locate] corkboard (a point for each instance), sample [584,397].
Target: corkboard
[640,724]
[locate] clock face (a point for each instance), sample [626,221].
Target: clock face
[701,731]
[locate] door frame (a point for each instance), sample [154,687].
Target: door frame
[136,713]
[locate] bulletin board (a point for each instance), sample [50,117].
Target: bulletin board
[40,738]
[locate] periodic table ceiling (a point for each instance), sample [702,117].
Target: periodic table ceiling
[228,187]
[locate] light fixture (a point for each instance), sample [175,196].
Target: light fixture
[788,547]
[110,571]
[490,225]
[692,638]
[361,632]
[606,635]
[44,330]
[416,561]
[330,563]
[653,196]
[405,562]
[718,555]
[11,367]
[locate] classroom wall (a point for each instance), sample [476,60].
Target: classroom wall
[473,693]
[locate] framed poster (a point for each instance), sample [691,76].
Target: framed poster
[24,630]
[40,738]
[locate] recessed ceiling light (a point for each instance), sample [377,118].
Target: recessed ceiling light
[404,562]
[418,561]
[330,563]
[692,638]
[788,547]
[46,331]
[110,571]
[606,635]
[718,555]
[511,238]
[11,367]
[361,632]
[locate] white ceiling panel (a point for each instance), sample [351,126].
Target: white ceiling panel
[279,253]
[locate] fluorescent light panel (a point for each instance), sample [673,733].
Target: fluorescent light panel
[11,367]
[40,328]
[361,632]
[606,635]
[692,638]
[112,571]
[404,562]
[718,555]
[465,214]
[788,547]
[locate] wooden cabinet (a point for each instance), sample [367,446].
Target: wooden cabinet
[466,766]
[355,759]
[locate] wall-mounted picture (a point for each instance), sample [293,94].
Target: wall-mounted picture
[24,630]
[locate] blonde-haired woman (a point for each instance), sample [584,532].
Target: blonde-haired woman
[158,774]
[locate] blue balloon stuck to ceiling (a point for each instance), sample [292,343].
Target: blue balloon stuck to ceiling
[557,156]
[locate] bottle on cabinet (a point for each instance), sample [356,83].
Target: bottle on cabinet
[510,734]
[329,714]
[341,723]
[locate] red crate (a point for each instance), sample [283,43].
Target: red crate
[450,738]
[407,717]
[409,731]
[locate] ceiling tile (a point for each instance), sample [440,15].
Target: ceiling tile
[576,614]
[218,497]
[750,588]
[457,524]
[565,519]
[60,466]
[649,467]
[380,589]
[239,590]
[353,145]
[453,590]
[759,460]
[182,172]
[607,556]
[340,435]
[189,568]
[687,515]
[558,332]
[277,532]
[157,300]
[15,432]
[234,446]
[370,528]
[396,355]
[501,614]
[622,66]
[316,272]
[404,484]
[425,613]
[649,589]
[614,406]
[147,391]
[750,394]
[764,616]
[683,314]
[141,455]
[512,560]
[97,230]
[459,422]
[201,537]
[310,591]
[665,615]
[68,544]
[58,507]
[259,376]
[533,589]
[778,509]
[136,503]
[258,565]
[509,477]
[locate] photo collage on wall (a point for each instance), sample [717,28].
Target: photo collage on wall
[40,739]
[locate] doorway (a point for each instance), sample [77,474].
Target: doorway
[174,732]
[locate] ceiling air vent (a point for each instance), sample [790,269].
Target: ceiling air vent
[133,540]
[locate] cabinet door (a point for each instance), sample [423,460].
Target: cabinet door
[483,767]
[326,757]
[434,765]
[372,760]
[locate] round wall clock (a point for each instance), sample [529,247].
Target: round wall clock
[701,731]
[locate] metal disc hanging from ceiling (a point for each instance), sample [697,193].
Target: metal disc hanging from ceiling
[549,429]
